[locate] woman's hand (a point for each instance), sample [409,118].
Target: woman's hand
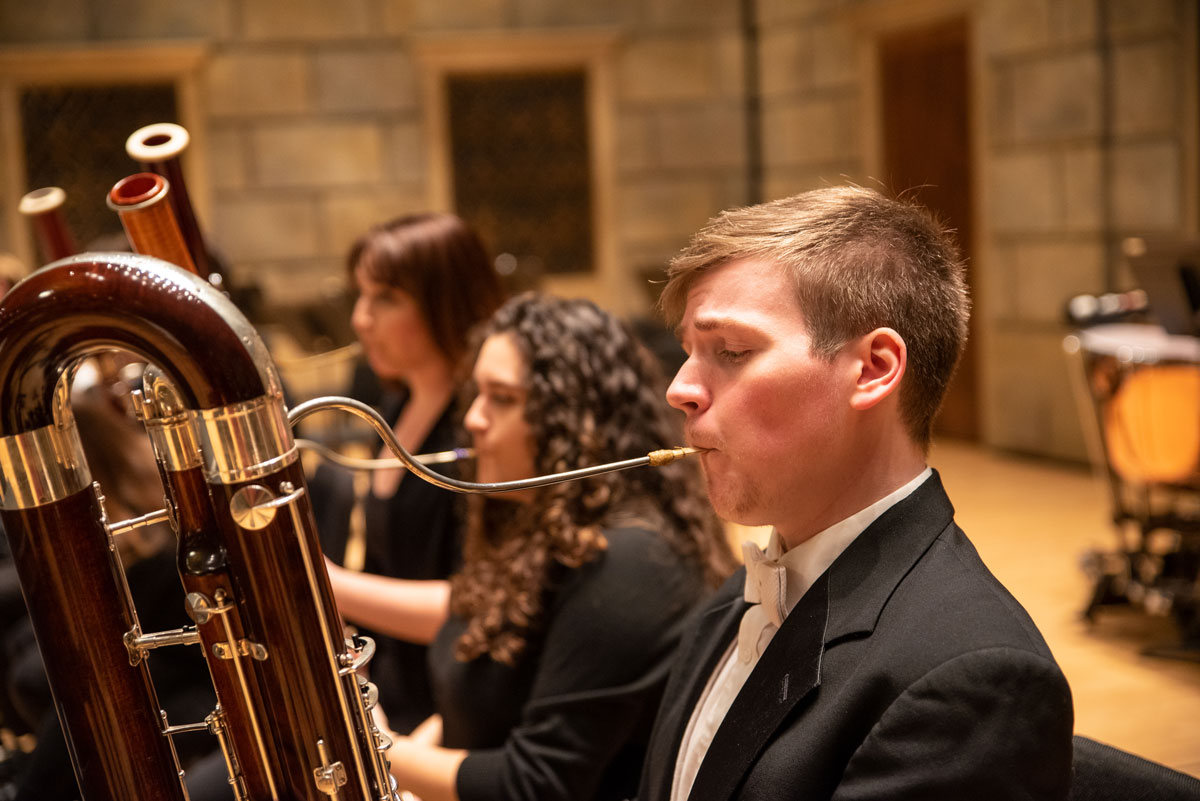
[429,731]
[428,772]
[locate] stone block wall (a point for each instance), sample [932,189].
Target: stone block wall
[811,97]
[1089,132]
[681,147]
[1087,135]
[314,118]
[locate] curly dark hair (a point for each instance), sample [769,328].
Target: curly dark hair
[595,395]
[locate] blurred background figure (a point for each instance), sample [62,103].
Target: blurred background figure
[422,282]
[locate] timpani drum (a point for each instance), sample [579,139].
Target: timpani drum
[1145,384]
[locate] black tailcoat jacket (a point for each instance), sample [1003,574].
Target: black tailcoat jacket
[907,671]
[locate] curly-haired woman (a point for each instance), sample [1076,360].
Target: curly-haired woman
[565,615]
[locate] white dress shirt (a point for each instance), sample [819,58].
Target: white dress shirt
[776,580]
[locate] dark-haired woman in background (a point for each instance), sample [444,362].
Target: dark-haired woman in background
[423,281]
[563,620]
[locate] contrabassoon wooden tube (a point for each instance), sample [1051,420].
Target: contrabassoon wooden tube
[43,207]
[203,562]
[290,639]
[157,148]
[140,200]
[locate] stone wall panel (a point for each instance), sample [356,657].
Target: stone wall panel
[405,159]
[417,16]
[154,19]
[27,22]
[257,228]
[307,20]
[1045,421]
[227,158]
[1014,26]
[1135,17]
[1026,192]
[318,154]
[247,82]
[637,141]
[1082,179]
[702,137]
[1048,274]
[350,214]
[817,130]
[1057,98]
[659,210]
[786,58]
[1145,88]
[667,70]
[1146,190]
[372,81]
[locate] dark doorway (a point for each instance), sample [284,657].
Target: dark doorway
[927,155]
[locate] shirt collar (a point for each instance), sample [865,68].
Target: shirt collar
[805,563]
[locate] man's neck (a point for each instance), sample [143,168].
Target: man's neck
[876,478]
[430,384]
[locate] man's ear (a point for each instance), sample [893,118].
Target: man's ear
[881,358]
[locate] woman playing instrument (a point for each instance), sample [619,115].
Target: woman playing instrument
[562,621]
[423,281]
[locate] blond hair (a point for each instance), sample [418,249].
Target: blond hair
[858,261]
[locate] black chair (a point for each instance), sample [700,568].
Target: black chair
[1104,773]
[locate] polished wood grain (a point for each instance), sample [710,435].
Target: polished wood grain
[107,706]
[298,625]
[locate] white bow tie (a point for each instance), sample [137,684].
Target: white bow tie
[766,588]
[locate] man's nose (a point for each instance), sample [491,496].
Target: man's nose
[687,392]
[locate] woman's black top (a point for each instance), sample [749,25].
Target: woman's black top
[571,720]
[413,534]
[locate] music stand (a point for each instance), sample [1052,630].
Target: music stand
[1169,272]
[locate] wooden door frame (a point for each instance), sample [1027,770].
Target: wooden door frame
[593,51]
[872,22]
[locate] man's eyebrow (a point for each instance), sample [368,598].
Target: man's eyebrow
[705,324]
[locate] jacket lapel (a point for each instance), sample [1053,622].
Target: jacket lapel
[718,625]
[864,577]
[847,599]
[785,674]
